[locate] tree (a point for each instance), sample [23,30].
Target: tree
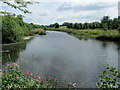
[11,29]
[104,22]
[119,24]
[115,23]
[110,24]
[77,26]
[65,24]
[56,25]
[71,25]
[19,4]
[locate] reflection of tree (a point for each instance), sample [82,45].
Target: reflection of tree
[11,52]
[104,44]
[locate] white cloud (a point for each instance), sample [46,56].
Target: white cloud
[79,11]
[76,0]
[73,14]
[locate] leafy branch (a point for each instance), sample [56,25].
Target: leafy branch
[18,4]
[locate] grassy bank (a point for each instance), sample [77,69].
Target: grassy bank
[90,33]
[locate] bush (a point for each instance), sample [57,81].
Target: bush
[40,32]
[30,33]
[11,30]
[119,29]
[14,28]
[14,77]
[109,78]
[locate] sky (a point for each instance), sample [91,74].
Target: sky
[51,11]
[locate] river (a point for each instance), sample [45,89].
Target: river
[64,57]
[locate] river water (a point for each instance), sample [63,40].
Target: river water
[64,57]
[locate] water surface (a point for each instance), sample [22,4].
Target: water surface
[67,58]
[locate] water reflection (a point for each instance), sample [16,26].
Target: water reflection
[10,53]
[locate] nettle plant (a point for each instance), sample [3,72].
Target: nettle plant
[109,78]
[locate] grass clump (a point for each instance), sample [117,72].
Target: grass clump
[33,32]
[40,32]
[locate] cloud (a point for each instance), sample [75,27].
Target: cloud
[88,15]
[75,0]
[119,8]
[44,13]
[51,12]
[83,6]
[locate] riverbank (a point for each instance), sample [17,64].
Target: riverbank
[14,77]
[22,41]
[28,37]
[111,35]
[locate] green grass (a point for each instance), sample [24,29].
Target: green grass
[90,33]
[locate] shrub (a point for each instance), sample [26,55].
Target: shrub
[109,79]
[40,32]
[14,77]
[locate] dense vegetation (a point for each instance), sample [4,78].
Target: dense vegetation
[111,35]
[109,79]
[107,29]
[15,78]
[14,28]
[105,24]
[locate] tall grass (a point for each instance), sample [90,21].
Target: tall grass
[90,33]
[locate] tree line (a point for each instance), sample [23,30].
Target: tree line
[14,28]
[106,24]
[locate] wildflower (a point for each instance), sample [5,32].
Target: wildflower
[27,73]
[74,85]
[42,79]
[9,65]
[16,65]
[38,77]
[13,65]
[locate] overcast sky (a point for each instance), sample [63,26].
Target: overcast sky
[51,11]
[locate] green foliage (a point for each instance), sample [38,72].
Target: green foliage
[14,28]
[71,25]
[14,77]
[18,4]
[111,35]
[11,29]
[56,25]
[40,32]
[77,26]
[109,79]
[119,29]
[105,24]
